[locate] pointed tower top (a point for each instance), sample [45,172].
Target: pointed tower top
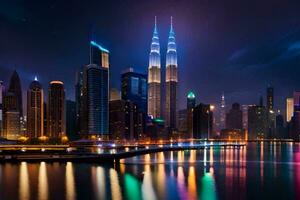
[35,78]
[171,29]
[155,25]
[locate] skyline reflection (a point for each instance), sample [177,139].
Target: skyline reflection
[212,173]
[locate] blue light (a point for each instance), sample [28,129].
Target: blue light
[97,45]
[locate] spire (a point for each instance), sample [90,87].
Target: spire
[35,78]
[171,29]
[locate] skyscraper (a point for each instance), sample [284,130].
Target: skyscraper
[94,110]
[15,87]
[35,110]
[154,77]
[257,122]
[222,112]
[171,80]
[270,98]
[11,117]
[202,121]
[134,88]
[56,110]
[78,97]
[234,118]
[289,109]
[191,103]
[71,128]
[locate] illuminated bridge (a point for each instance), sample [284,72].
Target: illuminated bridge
[98,153]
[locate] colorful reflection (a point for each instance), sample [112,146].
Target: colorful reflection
[208,190]
[43,182]
[24,189]
[132,187]
[70,182]
[228,173]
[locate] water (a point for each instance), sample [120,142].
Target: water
[259,171]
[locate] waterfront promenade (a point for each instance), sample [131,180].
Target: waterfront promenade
[96,154]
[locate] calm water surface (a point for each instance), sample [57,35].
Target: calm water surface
[258,171]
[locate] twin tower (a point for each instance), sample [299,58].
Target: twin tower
[155,107]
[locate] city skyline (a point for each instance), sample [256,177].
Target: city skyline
[244,56]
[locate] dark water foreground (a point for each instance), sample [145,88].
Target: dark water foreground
[257,171]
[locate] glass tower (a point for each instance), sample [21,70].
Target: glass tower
[171,80]
[154,77]
[94,112]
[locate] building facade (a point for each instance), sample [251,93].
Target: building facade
[234,118]
[125,120]
[202,122]
[257,122]
[289,109]
[11,117]
[56,110]
[35,110]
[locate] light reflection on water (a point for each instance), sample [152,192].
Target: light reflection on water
[259,171]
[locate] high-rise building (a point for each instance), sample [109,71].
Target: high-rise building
[289,109]
[1,107]
[280,129]
[125,121]
[134,88]
[171,81]
[234,118]
[15,87]
[191,103]
[94,109]
[222,112]
[35,110]
[245,116]
[56,110]
[202,121]
[71,128]
[270,98]
[182,122]
[11,117]
[154,77]
[257,122]
[78,97]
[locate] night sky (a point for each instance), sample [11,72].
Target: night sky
[238,47]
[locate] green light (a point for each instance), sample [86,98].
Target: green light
[158,120]
[100,47]
[132,187]
[208,190]
[191,95]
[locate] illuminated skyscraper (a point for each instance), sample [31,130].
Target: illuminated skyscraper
[289,109]
[56,110]
[15,87]
[222,112]
[270,98]
[94,110]
[191,103]
[35,110]
[154,77]
[171,81]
